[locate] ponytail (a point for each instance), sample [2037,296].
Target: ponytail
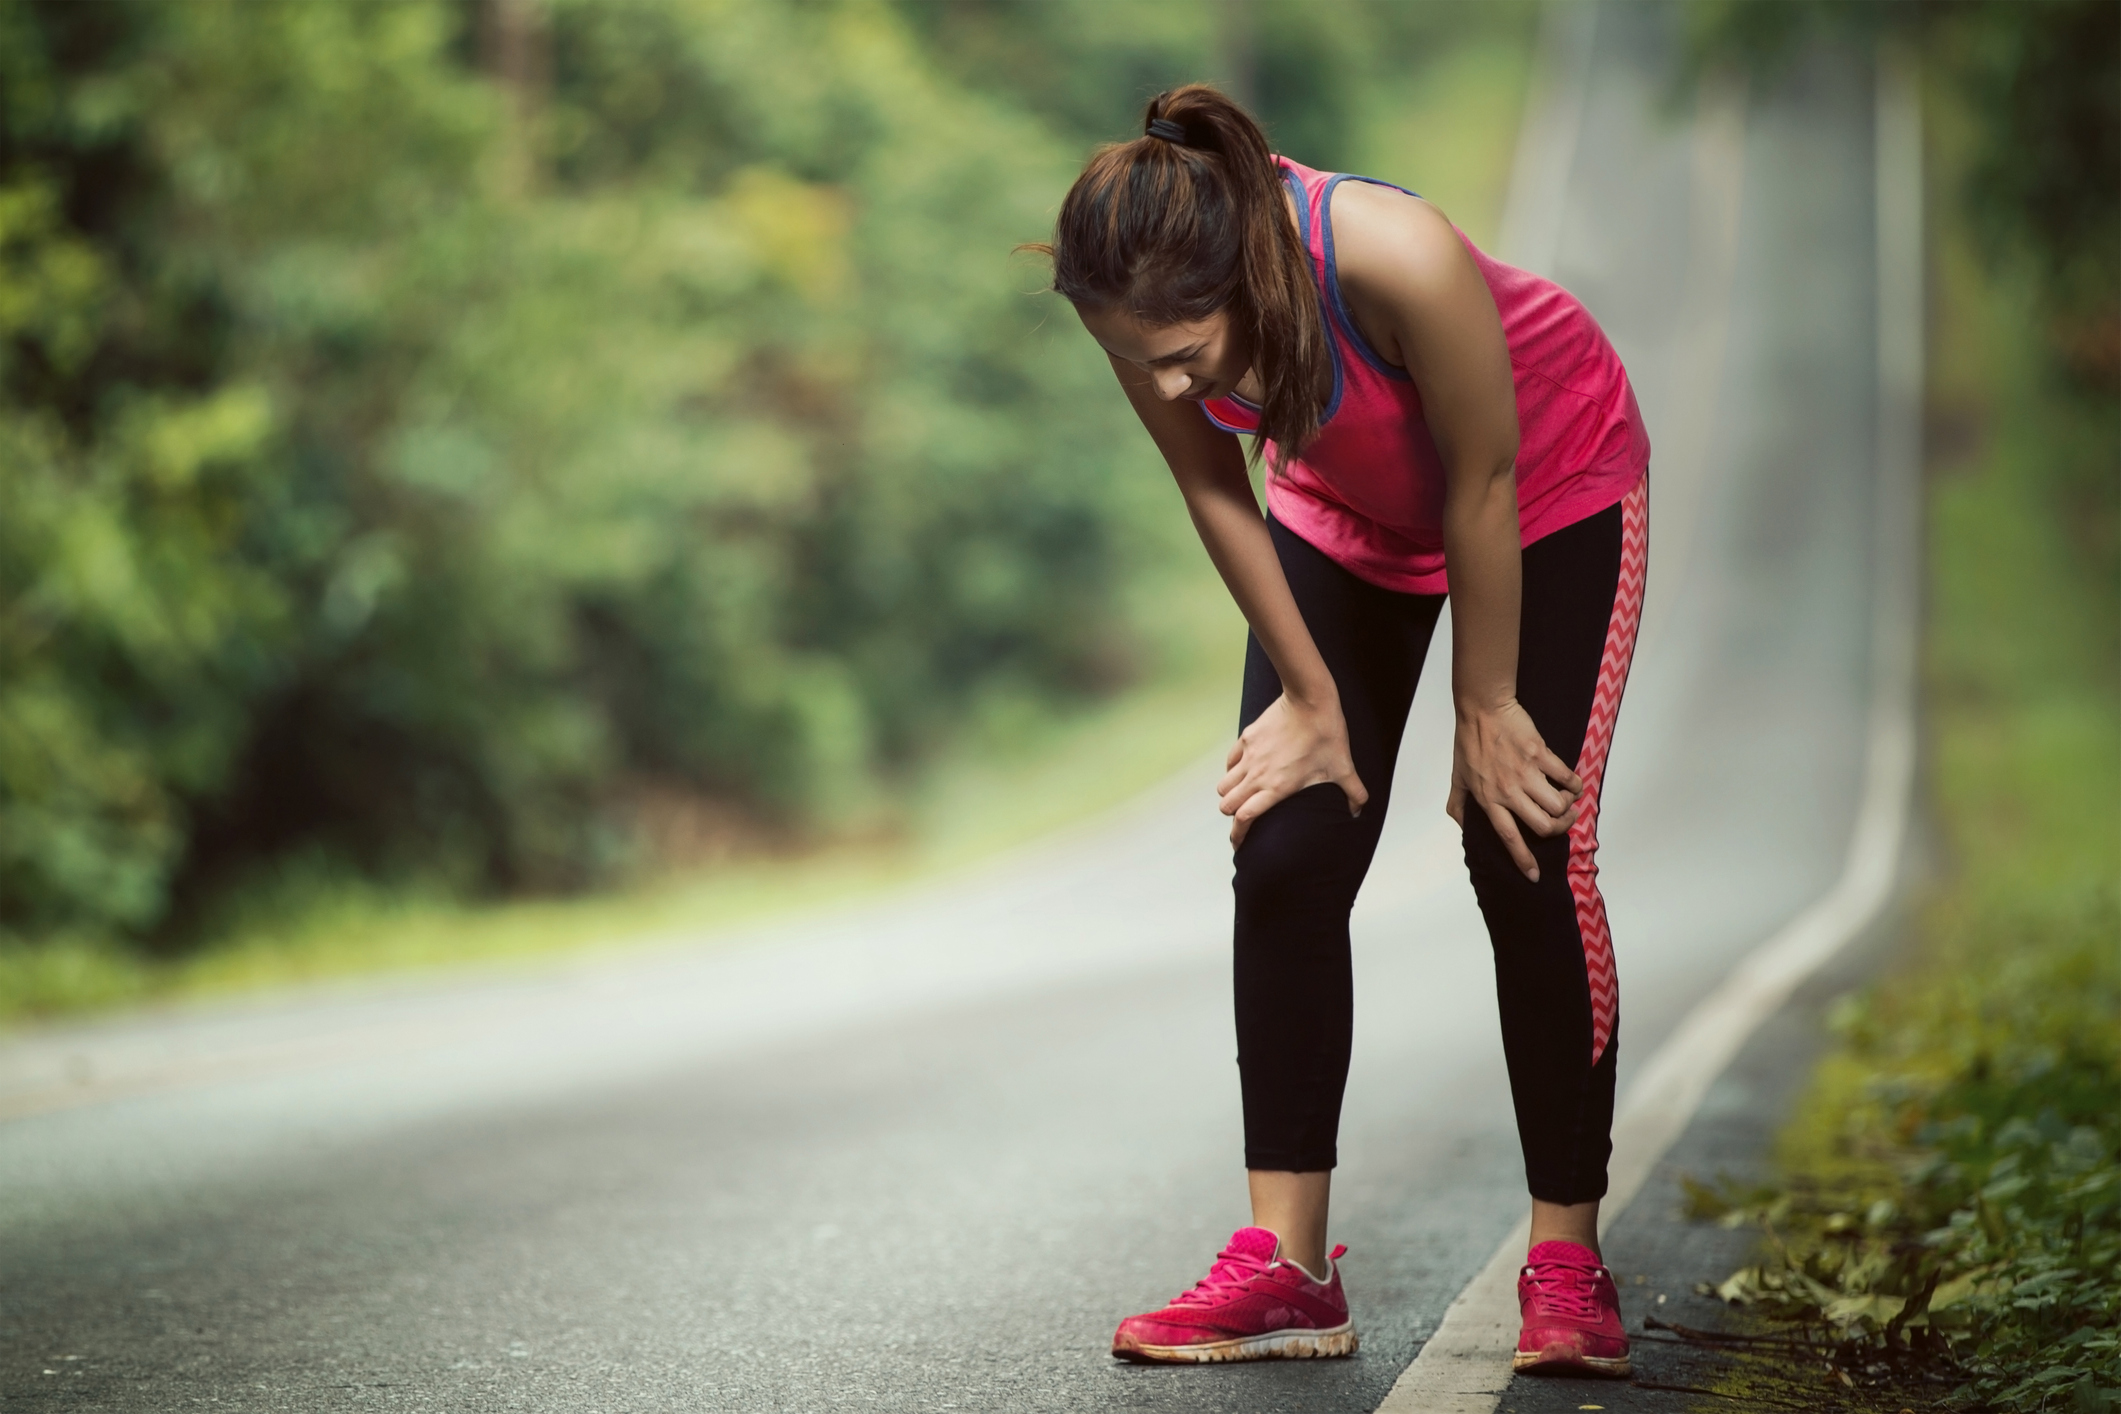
[1188,220]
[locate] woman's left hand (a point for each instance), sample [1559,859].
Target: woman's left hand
[1500,760]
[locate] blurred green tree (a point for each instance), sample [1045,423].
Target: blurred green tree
[409,467]
[2042,81]
[1308,71]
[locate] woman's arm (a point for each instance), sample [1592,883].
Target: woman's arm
[1419,298]
[1301,740]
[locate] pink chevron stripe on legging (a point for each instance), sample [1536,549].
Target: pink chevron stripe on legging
[1597,740]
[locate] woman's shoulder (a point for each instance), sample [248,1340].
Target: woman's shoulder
[1381,233]
[1394,255]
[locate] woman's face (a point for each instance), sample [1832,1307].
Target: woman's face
[1200,360]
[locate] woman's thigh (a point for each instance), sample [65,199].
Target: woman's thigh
[1373,641]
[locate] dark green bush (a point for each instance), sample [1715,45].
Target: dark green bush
[1976,1240]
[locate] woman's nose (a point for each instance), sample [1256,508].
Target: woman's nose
[1171,383]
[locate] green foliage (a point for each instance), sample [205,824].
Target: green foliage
[1316,75]
[435,467]
[360,493]
[1973,1219]
[1949,1228]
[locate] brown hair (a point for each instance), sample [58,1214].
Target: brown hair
[1172,232]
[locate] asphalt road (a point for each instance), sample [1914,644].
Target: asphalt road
[923,1153]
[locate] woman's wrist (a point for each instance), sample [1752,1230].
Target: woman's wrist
[1314,695]
[1470,705]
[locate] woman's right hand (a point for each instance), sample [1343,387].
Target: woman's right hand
[1289,747]
[1300,740]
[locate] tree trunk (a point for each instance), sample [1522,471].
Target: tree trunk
[515,49]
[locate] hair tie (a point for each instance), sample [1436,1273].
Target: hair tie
[1167,130]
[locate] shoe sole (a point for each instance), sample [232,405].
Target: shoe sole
[1565,1363]
[1275,1345]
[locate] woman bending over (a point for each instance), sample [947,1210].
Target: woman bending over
[1433,422]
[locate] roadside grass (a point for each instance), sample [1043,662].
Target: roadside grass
[1947,1230]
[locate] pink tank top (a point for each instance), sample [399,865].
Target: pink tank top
[1368,491]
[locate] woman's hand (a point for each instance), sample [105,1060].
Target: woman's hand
[1500,761]
[1302,739]
[1287,748]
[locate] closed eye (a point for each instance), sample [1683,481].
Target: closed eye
[1168,359]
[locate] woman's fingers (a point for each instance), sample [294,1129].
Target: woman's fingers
[1352,787]
[1557,770]
[1284,750]
[1506,827]
[1538,816]
[1514,778]
[1550,825]
[1549,802]
[1257,802]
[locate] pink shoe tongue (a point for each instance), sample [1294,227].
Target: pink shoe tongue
[1254,1242]
[1567,1254]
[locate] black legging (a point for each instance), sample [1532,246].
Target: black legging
[1302,862]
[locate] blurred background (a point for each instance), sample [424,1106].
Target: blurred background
[492,449]
[481,477]
[466,451]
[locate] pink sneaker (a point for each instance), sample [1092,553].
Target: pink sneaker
[1252,1305]
[1571,1315]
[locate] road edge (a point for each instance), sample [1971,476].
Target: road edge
[1464,1367]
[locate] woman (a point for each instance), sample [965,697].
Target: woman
[1429,417]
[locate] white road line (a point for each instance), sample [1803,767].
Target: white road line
[1464,1367]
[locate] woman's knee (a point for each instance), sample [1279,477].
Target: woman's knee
[1488,857]
[1307,850]
[1495,873]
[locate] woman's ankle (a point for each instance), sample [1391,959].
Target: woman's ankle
[1293,1206]
[1566,1222]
